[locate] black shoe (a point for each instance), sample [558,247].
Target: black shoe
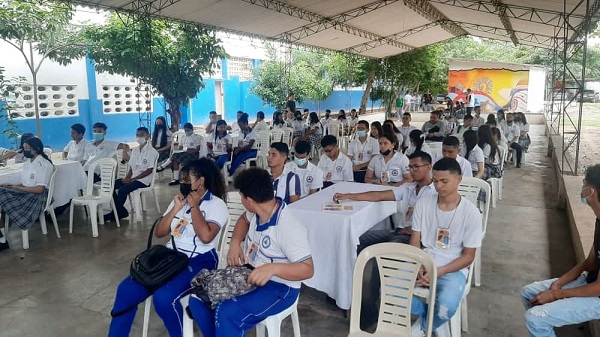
[4,246]
[109,217]
[518,165]
[123,215]
[160,169]
[174,182]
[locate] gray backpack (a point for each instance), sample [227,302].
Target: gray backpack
[215,286]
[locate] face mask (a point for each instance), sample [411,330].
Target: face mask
[98,136]
[185,189]
[141,140]
[189,133]
[159,126]
[27,154]
[301,161]
[385,153]
[361,133]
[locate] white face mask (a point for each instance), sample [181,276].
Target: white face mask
[141,140]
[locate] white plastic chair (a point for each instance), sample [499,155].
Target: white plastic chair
[398,266]
[498,183]
[470,188]
[48,207]
[122,168]
[263,138]
[108,168]
[48,152]
[137,197]
[276,135]
[333,129]
[287,136]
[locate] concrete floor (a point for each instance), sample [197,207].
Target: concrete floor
[65,287]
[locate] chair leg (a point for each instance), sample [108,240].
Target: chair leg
[114,210]
[25,235]
[296,323]
[500,183]
[273,328]
[464,314]
[260,330]
[71,217]
[156,200]
[143,201]
[54,222]
[94,218]
[147,307]
[455,324]
[477,266]
[43,224]
[188,323]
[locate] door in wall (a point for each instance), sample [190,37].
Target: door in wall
[219,99]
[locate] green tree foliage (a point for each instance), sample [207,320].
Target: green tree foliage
[170,57]
[40,30]
[9,92]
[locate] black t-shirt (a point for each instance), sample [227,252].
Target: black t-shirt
[593,275]
[291,105]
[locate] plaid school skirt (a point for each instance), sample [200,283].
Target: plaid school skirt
[184,157]
[22,208]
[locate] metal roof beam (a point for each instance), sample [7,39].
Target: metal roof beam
[149,7]
[360,48]
[528,37]
[428,11]
[313,28]
[501,8]
[282,7]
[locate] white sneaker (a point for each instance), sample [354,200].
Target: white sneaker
[416,329]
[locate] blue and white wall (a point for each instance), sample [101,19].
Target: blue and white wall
[78,94]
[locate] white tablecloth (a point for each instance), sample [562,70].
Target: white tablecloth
[70,178]
[333,236]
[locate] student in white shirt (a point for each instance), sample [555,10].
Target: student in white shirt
[451,149]
[389,167]
[376,129]
[460,130]
[212,121]
[78,149]
[406,196]
[390,127]
[278,121]
[24,202]
[478,120]
[405,130]
[524,140]
[314,132]
[103,148]
[447,227]
[298,125]
[361,150]
[344,122]
[188,149]
[219,144]
[285,182]
[311,177]
[161,138]
[194,219]
[501,120]
[491,153]
[19,157]
[275,243]
[408,99]
[470,102]
[474,154]
[246,148]
[327,119]
[260,124]
[141,165]
[499,138]
[335,165]
[235,127]
[513,133]
[435,128]
[353,120]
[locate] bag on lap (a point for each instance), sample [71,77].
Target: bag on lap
[158,264]
[215,286]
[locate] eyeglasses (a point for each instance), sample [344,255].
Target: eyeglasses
[415,167]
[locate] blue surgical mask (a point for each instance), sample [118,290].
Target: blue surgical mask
[98,136]
[189,133]
[361,133]
[300,161]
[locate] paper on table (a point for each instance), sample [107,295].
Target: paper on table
[337,207]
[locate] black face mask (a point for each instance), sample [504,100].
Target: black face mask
[385,153]
[185,189]
[27,154]
[159,126]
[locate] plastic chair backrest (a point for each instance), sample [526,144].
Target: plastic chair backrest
[51,188]
[121,167]
[264,142]
[108,169]
[176,138]
[48,152]
[398,266]
[470,188]
[276,135]
[287,136]
[333,129]
[153,173]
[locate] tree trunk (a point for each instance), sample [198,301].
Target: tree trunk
[367,92]
[36,103]
[175,112]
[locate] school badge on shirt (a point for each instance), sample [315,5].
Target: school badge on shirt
[338,169]
[309,179]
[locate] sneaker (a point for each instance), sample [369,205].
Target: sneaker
[174,182]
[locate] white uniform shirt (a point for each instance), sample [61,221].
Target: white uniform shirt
[287,185]
[190,142]
[261,126]
[281,240]
[463,224]
[106,149]
[523,127]
[478,121]
[213,209]
[396,167]
[487,150]
[78,152]
[363,152]
[470,101]
[245,139]
[407,99]
[405,131]
[298,126]
[141,160]
[465,166]
[476,156]
[235,127]
[219,144]
[36,172]
[311,177]
[512,131]
[406,196]
[340,169]
[318,127]
[159,137]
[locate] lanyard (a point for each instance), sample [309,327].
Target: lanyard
[437,210]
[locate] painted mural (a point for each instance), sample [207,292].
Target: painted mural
[494,88]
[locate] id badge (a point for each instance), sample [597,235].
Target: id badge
[252,254]
[409,214]
[328,176]
[360,156]
[384,177]
[180,228]
[219,146]
[443,238]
